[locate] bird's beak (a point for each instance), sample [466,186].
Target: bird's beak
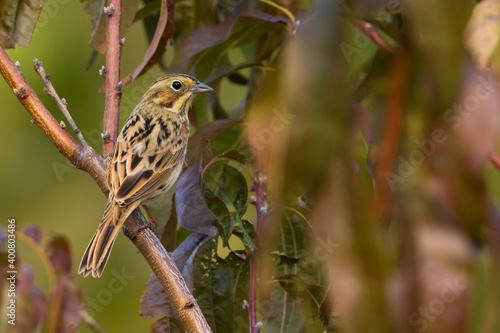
[201,88]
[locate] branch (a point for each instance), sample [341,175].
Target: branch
[261,206]
[112,76]
[62,104]
[393,127]
[94,325]
[371,32]
[85,158]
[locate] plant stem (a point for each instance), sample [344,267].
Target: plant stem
[261,206]
[112,76]
[62,104]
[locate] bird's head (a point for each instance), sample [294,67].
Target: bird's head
[175,92]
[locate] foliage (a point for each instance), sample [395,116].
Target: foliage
[353,174]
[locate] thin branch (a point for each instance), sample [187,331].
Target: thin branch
[393,126]
[93,324]
[261,206]
[62,104]
[112,76]
[371,32]
[41,116]
[88,160]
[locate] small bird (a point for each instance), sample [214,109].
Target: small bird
[147,160]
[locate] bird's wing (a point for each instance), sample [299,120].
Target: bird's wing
[147,158]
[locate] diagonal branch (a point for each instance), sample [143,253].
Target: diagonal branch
[61,103]
[85,158]
[371,32]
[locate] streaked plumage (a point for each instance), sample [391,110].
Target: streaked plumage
[147,160]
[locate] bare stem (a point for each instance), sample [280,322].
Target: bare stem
[85,158]
[371,32]
[261,206]
[112,76]
[50,90]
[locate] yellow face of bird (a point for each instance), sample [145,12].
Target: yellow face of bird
[175,92]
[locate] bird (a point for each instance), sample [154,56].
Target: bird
[147,159]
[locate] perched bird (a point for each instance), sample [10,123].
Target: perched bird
[147,160]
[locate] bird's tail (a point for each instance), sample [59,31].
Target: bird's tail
[97,253]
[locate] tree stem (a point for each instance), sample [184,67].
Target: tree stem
[112,76]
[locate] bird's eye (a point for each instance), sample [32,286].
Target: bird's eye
[176,85]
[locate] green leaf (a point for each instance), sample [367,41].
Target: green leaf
[213,287]
[199,144]
[230,180]
[298,288]
[300,281]
[246,231]
[241,272]
[229,139]
[17,21]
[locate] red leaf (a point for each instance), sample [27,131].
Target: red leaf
[34,232]
[164,32]
[60,254]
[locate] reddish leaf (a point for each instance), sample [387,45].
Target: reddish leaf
[211,42]
[192,210]
[226,71]
[154,300]
[169,235]
[66,301]
[165,325]
[34,232]
[202,139]
[60,254]
[164,32]
[31,302]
